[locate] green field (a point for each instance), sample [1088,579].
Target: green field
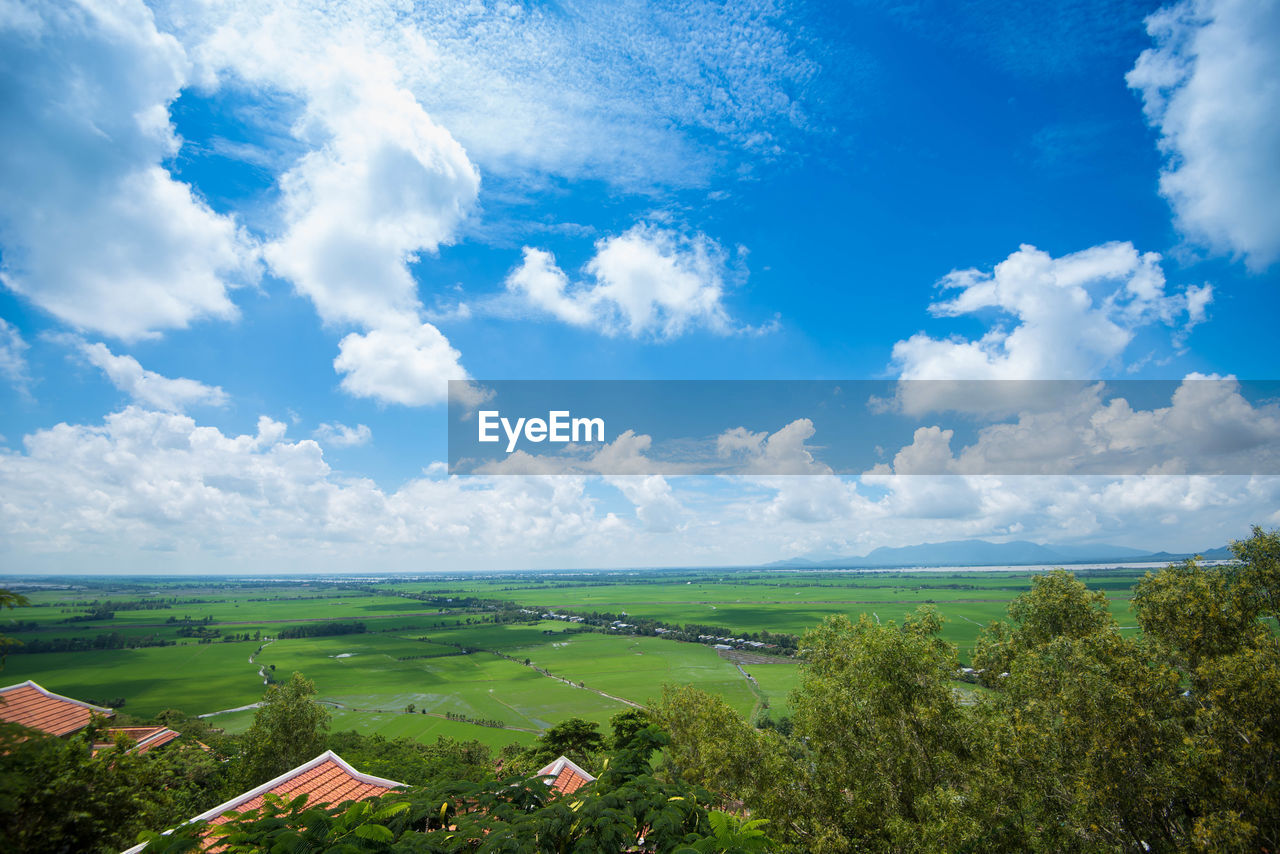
[424,645]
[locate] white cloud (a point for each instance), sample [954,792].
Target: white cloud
[385,184]
[657,508]
[1209,87]
[114,492]
[148,387]
[648,281]
[410,365]
[545,287]
[626,456]
[342,436]
[530,88]
[258,500]
[782,452]
[13,359]
[381,185]
[94,230]
[1072,317]
[1208,427]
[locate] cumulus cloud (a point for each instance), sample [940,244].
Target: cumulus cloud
[148,387]
[646,282]
[385,184]
[657,507]
[628,454]
[342,436]
[1209,427]
[409,365]
[94,229]
[782,452]
[1209,87]
[380,185]
[1069,318]
[260,501]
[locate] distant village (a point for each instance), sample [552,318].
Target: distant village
[767,642]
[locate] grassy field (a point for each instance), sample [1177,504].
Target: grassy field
[195,678]
[412,649]
[632,668]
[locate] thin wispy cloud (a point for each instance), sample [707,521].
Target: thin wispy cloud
[545,88]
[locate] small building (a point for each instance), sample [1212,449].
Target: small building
[327,779]
[566,775]
[33,706]
[30,705]
[144,738]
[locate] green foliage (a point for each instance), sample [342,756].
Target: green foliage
[878,728]
[626,724]
[322,628]
[1260,560]
[623,810]
[1090,741]
[731,836]
[288,729]
[575,738]
[711,744]
[1057,606]
[413,762]
[1197,613]
[55,796]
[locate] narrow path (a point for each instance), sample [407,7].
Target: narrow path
[754,688]
[227,711]
[583,687]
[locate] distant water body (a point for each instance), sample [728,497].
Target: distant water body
[1034,567]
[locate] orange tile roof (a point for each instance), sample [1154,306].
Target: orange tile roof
[144,737]
[324,783]
[568,776]
[325,779]
[32,706]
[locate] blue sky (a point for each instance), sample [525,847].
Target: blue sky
[245,245]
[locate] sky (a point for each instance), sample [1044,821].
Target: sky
[245,246]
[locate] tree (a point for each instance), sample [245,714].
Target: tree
[575,738]
[1091,734]
[627,723]
[712,745]
[57,796]
[9,599]
[1260,559]
[287,730]
[731,835]
[880,732]
[1057,605]
[411,761]
[1196,613]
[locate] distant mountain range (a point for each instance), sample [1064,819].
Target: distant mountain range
[983,553]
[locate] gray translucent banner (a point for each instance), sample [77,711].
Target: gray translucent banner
[1199,425]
